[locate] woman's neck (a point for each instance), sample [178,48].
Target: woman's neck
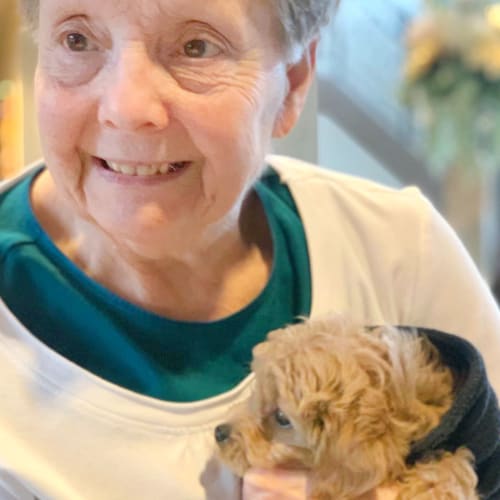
[211,278]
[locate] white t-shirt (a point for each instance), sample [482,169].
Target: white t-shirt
[379,254]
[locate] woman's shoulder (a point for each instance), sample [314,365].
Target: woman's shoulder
[317,188]
[29,171]
[296,171]
[16,218]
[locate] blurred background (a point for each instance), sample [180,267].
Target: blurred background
[393,101]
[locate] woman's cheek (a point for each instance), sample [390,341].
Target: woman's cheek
[69,69]
[59,113]
[62,116]
[202,78]
[67,74]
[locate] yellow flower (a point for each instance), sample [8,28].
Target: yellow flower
[484,55]
[421,29]
[493,16]
[425,46]
[421,57]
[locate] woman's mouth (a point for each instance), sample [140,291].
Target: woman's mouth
[143,170]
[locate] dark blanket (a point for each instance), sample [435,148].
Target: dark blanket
[474,418]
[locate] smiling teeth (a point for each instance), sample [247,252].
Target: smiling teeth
[144,170]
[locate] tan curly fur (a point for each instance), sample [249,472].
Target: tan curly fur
[355,399]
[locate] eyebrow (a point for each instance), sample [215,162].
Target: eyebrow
[222,22]
[175,15]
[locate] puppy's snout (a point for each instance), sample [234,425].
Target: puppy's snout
[222,433]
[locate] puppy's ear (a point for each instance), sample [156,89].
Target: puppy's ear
[269,348]
[262,350]
[317,411]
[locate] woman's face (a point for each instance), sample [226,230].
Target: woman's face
[155,115]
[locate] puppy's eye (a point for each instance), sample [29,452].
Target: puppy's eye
[282,420]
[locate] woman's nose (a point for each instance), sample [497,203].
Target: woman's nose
[132,98]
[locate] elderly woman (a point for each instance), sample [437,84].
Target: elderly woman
[155,245]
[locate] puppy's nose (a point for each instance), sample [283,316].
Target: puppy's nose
[222,433]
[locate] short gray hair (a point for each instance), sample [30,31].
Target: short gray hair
[301,20]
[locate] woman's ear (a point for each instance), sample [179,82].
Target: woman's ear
[300,75]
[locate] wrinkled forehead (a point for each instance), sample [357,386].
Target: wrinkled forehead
[248,18]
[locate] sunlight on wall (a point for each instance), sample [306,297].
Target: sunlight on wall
[11,92]
[11,129]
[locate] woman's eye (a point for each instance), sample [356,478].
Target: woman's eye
[77,42]
[200,48]
[282,420]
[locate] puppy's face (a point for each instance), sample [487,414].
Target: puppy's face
[317,400]
[265,433]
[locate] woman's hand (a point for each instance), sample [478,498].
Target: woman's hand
[276,484]
[281,484]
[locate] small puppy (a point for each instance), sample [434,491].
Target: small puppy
[346,403]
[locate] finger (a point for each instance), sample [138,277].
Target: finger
[276,484]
